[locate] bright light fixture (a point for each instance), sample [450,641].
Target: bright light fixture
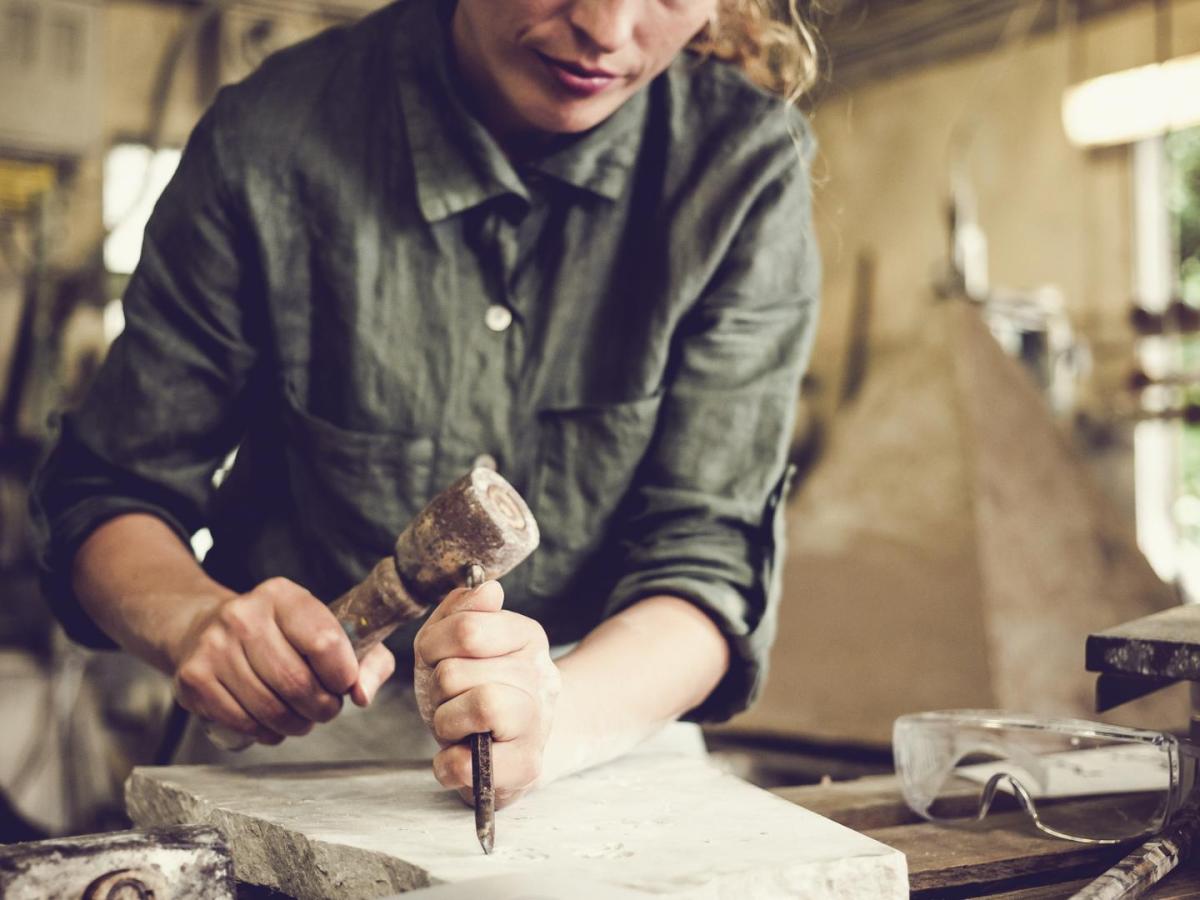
[1135,104]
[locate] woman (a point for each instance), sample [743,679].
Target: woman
[531,233]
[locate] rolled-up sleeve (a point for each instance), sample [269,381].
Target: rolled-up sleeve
[165,407]
[706,510]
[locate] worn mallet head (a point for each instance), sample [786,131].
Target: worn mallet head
[478,520]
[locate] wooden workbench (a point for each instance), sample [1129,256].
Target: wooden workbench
[1012,861]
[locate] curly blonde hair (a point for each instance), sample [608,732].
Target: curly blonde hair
[769,40]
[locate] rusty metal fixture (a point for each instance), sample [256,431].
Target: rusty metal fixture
[1140,380]
[128,884]
[1177,318]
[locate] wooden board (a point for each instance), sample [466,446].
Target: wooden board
[876,39]
[1008,860]
[660,824]
[1009,848]
[1163,645]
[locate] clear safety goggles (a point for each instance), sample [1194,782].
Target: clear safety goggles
[1082,781]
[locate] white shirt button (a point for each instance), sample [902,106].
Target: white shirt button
[485,461]
[498,317]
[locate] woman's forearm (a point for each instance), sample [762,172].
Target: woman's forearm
[633,673]
[142,586]
[268,663]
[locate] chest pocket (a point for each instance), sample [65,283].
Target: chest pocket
[588,456]
[352,491]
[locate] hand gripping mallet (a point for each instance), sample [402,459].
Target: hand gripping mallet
[476,530]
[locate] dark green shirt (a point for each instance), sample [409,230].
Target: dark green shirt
[349,280]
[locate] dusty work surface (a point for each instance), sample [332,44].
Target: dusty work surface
[663,824]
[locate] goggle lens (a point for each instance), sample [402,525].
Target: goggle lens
[1086,787]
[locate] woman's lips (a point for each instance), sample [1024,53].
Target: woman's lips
[576,79]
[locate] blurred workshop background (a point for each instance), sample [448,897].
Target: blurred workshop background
[999,440]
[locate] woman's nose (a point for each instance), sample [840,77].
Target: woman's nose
[606,24]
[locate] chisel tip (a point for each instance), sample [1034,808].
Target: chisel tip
[486,833]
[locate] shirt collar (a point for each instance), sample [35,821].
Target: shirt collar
[457,164]
[601,159]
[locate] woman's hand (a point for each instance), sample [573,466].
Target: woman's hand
[479,668]
[272,662]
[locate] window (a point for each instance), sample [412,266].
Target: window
[134,176]
[1167,447]
[1182,151]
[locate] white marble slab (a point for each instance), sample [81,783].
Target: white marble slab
[668,825]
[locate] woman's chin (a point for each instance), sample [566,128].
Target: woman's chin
[570,117]
[546,106]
